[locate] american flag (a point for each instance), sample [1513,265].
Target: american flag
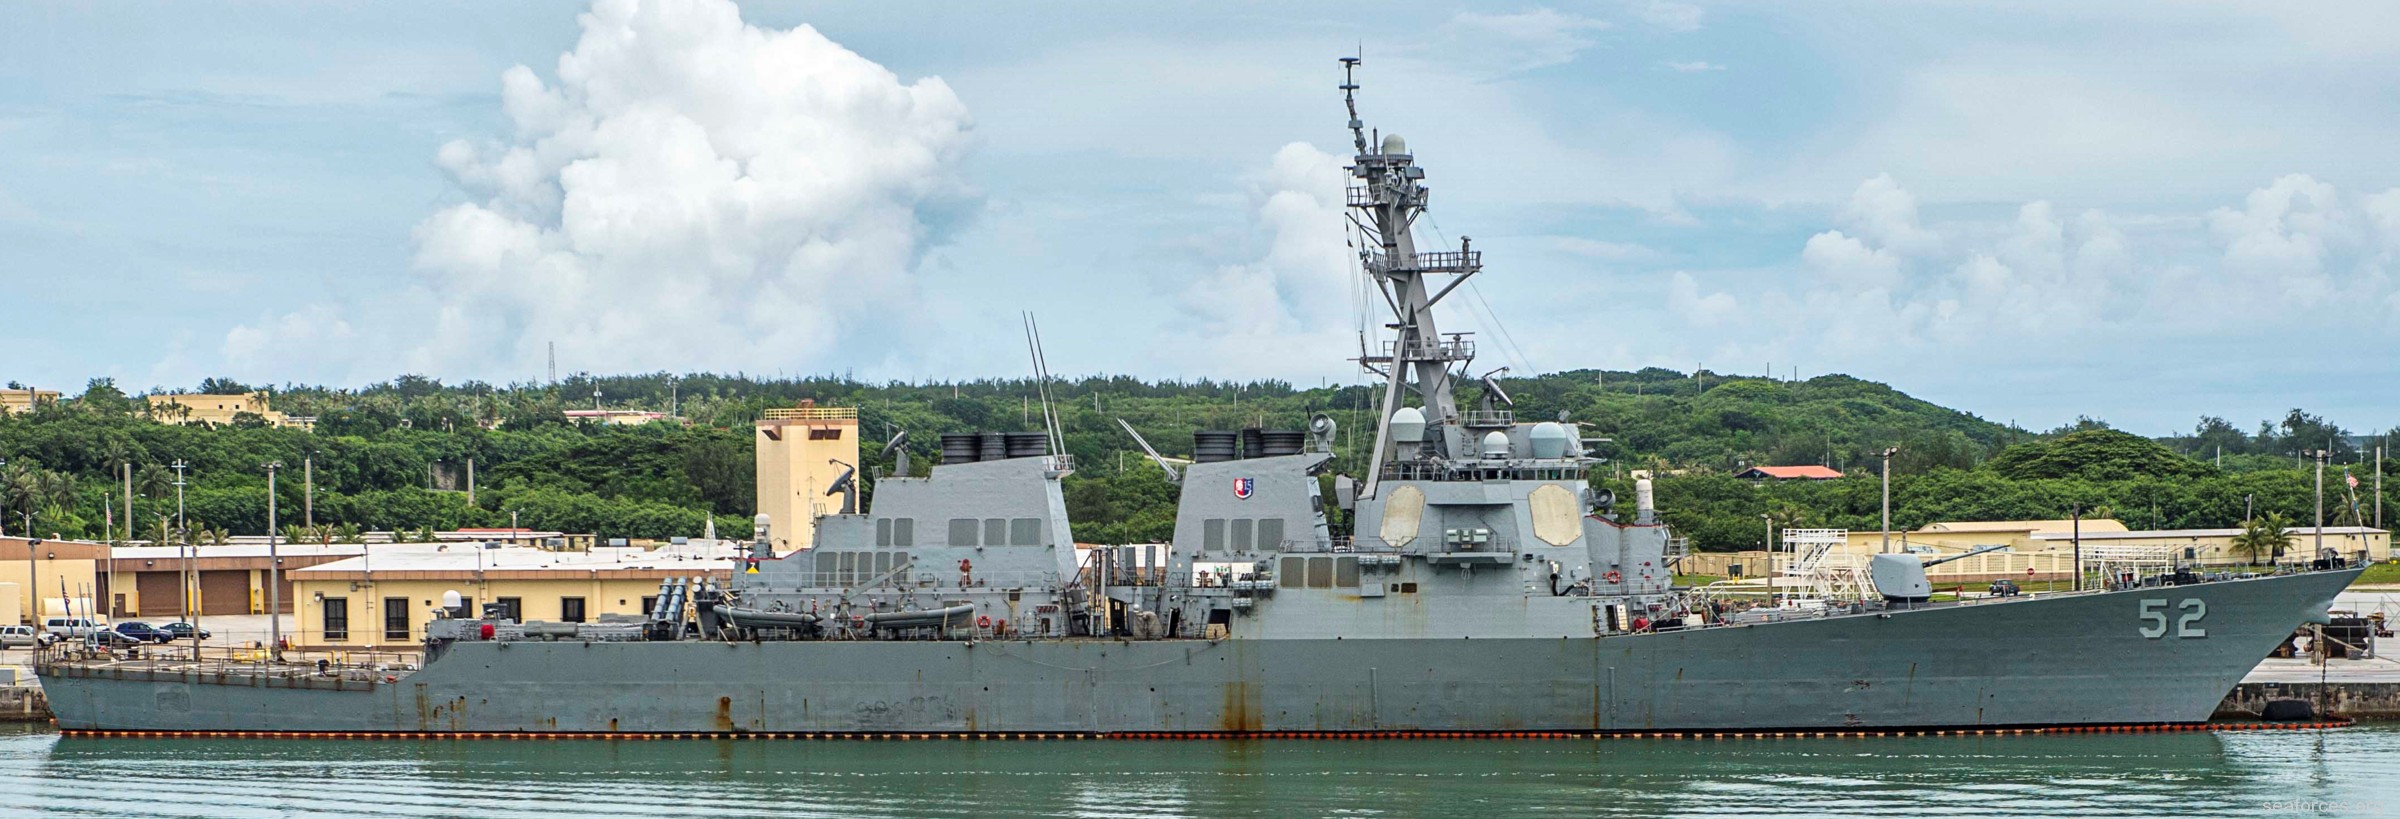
[2350,479]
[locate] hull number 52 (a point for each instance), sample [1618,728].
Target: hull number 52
[2154,618]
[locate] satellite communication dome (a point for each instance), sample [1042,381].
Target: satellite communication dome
[1495,444]
[1408,425]
[1549,440]
[1393,144]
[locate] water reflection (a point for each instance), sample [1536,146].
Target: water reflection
[2135,775]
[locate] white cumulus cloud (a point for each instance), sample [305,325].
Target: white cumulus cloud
[1290,304]
[688,191]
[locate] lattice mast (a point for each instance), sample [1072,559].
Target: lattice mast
[1391,194]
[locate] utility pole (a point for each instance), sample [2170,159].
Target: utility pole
[1888,452]
[183,546]
[33,574]
[2379,487]
[274,577]
[2320,544]
[308,491]
[2077,513]
[470,481]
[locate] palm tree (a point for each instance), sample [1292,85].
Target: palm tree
[2269,535]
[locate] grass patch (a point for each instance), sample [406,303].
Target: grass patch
[2385,572]
[1696,579]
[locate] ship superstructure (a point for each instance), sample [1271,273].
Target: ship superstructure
[1484,586]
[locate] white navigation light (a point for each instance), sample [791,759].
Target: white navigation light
[1408,425]
[1393,144]
[1549,440]
[1495,444]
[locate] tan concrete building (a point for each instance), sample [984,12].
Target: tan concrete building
[64,572]
[2045,549]
[383,599]
[218,410]
[2214,547]
[801,450]
[21,400]
[167,583]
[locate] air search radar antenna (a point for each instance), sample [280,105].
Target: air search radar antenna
[1358,129]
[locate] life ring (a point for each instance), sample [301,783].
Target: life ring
[983,621]
[1614,577]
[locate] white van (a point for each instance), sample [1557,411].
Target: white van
[72,626]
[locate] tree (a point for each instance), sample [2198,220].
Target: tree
[2268,535]
[222,386]
[2095,454]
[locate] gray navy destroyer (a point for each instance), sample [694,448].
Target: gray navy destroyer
[1485,586]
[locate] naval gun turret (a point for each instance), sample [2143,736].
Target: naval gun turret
[1900,576]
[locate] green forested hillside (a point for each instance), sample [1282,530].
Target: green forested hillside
[377,449]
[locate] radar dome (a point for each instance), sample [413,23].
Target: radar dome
[1393,144]
[1408,425]
[452,600]
[1549,440]
[1495,444]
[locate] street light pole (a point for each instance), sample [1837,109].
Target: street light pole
[1887,497]
[274,579]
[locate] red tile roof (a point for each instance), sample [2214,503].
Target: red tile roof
[1785,473]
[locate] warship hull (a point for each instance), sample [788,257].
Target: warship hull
[2124,657]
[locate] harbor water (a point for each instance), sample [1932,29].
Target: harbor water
[2341,772]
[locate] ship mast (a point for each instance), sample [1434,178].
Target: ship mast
[1419,357]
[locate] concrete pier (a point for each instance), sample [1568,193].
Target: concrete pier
[23,703]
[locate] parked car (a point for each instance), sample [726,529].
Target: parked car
[2005,588]
[181,630]
[110,639]
[139,630]
[20,637]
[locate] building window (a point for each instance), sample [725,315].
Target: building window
[395,618]
[649,604]
[512,608]
[570,609]
[337,619]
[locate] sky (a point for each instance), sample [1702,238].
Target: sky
[2138,212]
